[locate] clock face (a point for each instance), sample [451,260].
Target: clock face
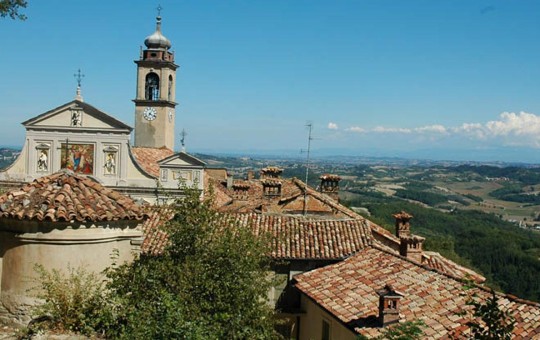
[150,113]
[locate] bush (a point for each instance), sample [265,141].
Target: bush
[72,302]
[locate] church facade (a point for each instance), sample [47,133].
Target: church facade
[79,137]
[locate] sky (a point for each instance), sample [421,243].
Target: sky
[445,79]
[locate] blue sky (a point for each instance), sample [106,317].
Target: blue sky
[442,79]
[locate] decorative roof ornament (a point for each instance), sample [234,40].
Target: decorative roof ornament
[78,76]
[157,40]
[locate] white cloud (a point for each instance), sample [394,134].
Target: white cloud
[432,129]
[510,129]
[332,126]
[355,129]
[382,129]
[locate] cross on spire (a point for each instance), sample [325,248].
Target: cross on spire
[79,76]
[159,8]
[183,134]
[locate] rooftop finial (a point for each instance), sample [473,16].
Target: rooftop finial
[158,18]
[79,76]
[183,134]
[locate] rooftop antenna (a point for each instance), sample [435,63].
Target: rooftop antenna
[309,125]
[79,76]
[183,135]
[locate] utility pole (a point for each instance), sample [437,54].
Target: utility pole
[310,127]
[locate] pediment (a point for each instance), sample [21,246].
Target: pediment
[76,115]
[181,160]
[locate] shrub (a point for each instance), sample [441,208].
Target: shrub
[73,301]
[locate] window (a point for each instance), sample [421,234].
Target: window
[325,334]
[152,86]
[170,88]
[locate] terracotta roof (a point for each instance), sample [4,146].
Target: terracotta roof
[437,261]
[291,199]
[296,237]
[148,158]
[155,239]
[64,196]
[292,237]
[348,291]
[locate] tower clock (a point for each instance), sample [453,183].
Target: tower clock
[155,99]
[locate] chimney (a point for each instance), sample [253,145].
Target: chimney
[250,175]
[403,228]
[271,187]
[271,172]
[330,185]
[410,245]
[389,300]
[230,181]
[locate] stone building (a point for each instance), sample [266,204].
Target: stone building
[59,221]
[79,137]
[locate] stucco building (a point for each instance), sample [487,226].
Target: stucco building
[82,138]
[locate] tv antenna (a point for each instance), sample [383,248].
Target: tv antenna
[309,125]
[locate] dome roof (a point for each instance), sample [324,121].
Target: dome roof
[157,39]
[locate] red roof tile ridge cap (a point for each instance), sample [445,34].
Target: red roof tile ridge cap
[323,197]
[376,246]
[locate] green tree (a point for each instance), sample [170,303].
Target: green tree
[489,321]
[210,282]
[11,8]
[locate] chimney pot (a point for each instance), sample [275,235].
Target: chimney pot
[389,300]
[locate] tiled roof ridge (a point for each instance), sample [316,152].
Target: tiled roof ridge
[66,196]
[302,217]
[323,197]
[458,279]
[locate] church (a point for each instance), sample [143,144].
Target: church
[342,276]
[82,138]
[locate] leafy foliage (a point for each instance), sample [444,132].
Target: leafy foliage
[490,322]
[210,282]
[426,197]
[72,302]
[11,8]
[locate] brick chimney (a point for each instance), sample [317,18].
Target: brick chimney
[271,187]
[271,172]
[403,227]
[330,185]
[250,175]
[389,300]
[410,246]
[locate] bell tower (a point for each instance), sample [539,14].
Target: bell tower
[155,99]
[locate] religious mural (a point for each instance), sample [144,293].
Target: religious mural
[78,157]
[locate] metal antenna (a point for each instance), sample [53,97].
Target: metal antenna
[308,151]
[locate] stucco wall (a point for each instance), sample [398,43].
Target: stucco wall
[90,248]
[311,324]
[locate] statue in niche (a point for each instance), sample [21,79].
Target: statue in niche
[42,162]
[110,164]
[76,119]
